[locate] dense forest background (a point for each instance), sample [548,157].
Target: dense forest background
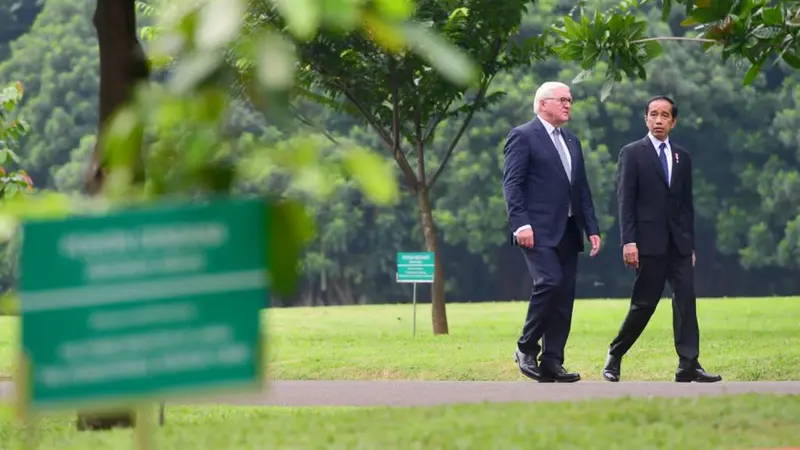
[745,144]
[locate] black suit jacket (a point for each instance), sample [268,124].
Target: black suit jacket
[537,190]
[650,211]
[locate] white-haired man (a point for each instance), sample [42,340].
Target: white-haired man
[549,205]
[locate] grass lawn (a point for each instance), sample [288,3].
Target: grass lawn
[730,423]
[743,339]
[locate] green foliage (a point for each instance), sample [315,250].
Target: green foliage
[12,128]
[395,91]
[753,31]
[12,184]
[743,140]
[57,62]
[186,115]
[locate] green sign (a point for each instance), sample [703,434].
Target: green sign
[143,304]
[415,267]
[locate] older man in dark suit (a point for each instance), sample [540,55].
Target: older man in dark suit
[549,206]
[656,220]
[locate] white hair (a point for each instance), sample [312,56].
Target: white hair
[544,91]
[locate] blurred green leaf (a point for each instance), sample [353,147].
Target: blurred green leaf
[573,30]
[192,70]
[653,50]
[766,32]
[772,16]
[666,8]
[385,34]
[402,9]
[751,74]
[210,104]
[451,62]
[23,126]
[792,60]
[41,205]
[706,15]
[277,62]
[341,14]
[218,23]
[374,174]
[9,301]
[10,190]
[584,74]
[302,16]
[122,138]
[605,91]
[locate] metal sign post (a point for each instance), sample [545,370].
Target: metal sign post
[415,268]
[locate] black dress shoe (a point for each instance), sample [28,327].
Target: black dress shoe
[558,373]
[695,373]
[611,370]
[529,367]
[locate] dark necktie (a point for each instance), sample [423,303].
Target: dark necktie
[663,155]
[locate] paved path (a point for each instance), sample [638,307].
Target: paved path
[426,393]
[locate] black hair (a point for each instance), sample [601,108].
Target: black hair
[662,97]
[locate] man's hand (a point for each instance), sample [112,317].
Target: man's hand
[694,258]
[525,238]
[595,240]
[630,254]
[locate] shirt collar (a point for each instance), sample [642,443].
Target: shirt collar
[656,142]
[547,125]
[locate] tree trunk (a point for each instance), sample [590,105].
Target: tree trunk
[438,309]
[122,65]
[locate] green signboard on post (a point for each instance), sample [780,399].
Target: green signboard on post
[144,303]
[415,267]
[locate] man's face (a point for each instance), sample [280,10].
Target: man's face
[557,107]
[659,119]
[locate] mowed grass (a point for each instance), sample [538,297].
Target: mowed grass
[730,423]
[743,339]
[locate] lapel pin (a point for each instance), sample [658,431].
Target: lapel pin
[677,159]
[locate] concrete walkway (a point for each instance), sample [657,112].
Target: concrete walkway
[427,393]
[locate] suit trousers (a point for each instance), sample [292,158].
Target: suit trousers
[549,318]
[651,277]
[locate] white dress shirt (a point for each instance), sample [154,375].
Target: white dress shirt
[667,151]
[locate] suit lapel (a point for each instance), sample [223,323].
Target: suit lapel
[547,142]
[652,155]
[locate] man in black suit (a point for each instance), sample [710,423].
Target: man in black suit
[656,219]
[549,206]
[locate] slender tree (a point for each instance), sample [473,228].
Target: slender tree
[398,95]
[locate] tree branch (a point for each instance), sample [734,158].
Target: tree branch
[431,128]
[420,143]
[250,93]
[402,162]
[405,167]
[306,121]
[674,38]
[395,106]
